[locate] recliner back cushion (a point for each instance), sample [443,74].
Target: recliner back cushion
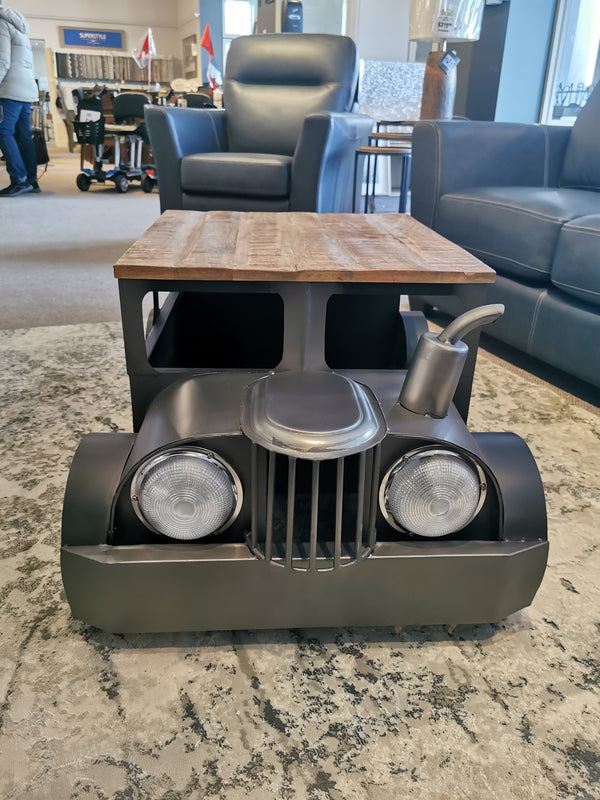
[273,81]
[581,167]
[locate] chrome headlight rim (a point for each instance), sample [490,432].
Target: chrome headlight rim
[420,453]
[195,452]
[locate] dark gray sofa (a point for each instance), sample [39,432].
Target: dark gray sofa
[525,199]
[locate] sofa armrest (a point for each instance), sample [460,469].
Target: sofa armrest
[177,132]
[557,139]
[452,155]
[323,165]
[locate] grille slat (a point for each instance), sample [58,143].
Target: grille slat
[362,469]
[339,510]
[291,493]
[373,500]
[313,515]
[270,506]
[255,490]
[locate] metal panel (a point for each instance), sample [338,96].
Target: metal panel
[313,515]
[210,588]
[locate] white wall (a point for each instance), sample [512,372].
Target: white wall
[188,25]
[170,22]
[379,28]
[132,16]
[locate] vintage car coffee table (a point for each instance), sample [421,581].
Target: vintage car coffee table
[300,454]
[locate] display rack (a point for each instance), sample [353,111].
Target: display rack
[103,65]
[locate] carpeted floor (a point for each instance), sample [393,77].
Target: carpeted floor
[489,711]
[58,247]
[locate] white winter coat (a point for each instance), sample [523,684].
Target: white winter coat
[16,59]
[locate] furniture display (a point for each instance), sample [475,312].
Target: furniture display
[390,92]
[298,458]
[526,200]
[108,66]
[285,140]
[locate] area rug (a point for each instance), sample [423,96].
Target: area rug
[508,710]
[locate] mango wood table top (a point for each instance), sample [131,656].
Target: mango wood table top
[297,246]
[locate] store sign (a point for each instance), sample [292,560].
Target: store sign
[74,37]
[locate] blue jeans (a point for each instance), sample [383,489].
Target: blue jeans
[16,142]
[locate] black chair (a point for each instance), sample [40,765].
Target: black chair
[285,140]
[199,99]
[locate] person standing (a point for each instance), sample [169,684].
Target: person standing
[18,90]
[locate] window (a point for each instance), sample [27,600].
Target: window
[238,20]
[574,66]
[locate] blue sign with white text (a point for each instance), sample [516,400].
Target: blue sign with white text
[80,38]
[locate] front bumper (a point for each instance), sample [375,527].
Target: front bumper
[160,588]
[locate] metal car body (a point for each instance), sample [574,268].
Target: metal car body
[304,494]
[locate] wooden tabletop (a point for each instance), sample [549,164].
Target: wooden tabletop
[294,246]
[400,137]
[384,150]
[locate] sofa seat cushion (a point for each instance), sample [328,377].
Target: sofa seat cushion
[238,174]
[514,229]
[576,268]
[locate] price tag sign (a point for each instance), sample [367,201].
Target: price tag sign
[445,23]
[449,62]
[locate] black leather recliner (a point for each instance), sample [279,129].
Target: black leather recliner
[285,140]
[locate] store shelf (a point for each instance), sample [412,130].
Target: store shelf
[107,66]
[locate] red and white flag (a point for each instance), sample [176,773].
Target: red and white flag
[212,73]
[206,42]
[145,50]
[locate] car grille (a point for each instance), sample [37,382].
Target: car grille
[313,515]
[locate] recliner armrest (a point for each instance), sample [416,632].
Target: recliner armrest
[177,132]
[323,165]
[452,155]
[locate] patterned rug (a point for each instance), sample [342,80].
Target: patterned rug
[488,711]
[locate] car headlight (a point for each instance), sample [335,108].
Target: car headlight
[432,492]
[186,493]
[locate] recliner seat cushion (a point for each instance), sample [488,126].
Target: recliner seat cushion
[581,167]
[513,229]
[244,174]
[576,268]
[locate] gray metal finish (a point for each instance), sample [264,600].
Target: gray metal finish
[224,587]
[95,474]
[304,325]
[310,414]
[469,321]
[437,366]
[281,534]
[513,470]
[310,435]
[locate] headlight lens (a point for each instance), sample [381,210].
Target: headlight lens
[432,492]
[186,493]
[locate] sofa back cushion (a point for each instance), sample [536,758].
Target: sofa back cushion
[581,167]
[273,81]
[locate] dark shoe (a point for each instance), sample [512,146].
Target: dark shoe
[17,189]
[35,187]
[6,189]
